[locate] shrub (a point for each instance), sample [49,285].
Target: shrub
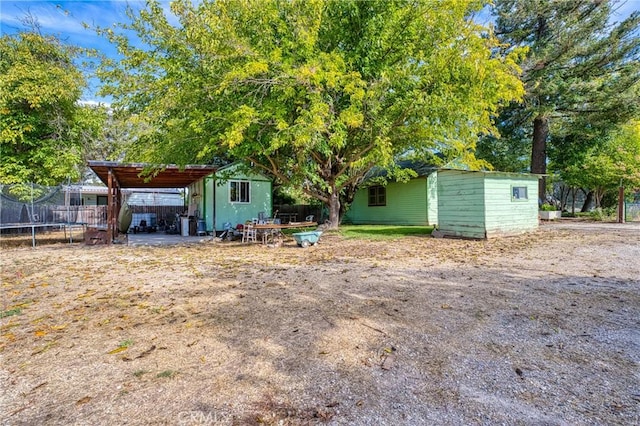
[548,208]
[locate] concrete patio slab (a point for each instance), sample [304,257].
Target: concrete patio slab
[161,238]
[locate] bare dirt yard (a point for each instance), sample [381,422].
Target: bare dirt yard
[536,329]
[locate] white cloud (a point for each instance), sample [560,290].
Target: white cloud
[66,17]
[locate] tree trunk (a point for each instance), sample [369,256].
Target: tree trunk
[598,194]
[621,204]
[587,202]
[346,198]
[565,191]
[334,210]
[539,153]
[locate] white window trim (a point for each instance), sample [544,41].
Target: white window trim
[240,182]
[520,199]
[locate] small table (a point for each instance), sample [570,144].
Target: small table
[274,230]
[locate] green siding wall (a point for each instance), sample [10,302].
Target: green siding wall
[241,212]
[219,210]
[479,204]
[432,198]
[461,204]
[406,205]
[505,216]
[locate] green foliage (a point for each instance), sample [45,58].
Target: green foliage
[607,214]
[546,207]
[581,76]
[168,374]
[104,134]
[511,150]
[10,312]
[140,373]
[41,124]
[312,93]
[614,161]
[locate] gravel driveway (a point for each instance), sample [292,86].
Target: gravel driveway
[539,329]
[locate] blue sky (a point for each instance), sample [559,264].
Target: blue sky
[65,18]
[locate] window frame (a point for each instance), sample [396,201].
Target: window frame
[515,196]
[379,195]
[240,183]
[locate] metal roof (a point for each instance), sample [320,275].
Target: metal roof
[139,175]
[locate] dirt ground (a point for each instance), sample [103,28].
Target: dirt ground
[536,329]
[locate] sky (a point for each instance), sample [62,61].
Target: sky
[65,19]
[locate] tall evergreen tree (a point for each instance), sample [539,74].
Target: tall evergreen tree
[581,75]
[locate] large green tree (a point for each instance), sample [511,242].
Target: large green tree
[581,77]
[43,129]
[604,167]
[313,93]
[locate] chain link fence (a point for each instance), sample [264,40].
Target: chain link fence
[632,212]
[32,204]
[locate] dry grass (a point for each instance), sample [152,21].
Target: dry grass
[42,237]
[533,329]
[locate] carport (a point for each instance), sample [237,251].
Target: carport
[139,175]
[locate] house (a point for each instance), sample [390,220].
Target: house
[231,195]
[396,203]
[461,203]
[94,195]
[482,204]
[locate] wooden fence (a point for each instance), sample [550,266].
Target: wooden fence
[297,213]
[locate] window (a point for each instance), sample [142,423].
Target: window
[239,191]
[75,200]
[519,193]
[102,200]
[377,196]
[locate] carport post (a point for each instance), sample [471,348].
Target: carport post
[110,216]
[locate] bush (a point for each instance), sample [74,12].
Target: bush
[604,214]
[548,208]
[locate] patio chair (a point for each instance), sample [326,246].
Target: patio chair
[249,233]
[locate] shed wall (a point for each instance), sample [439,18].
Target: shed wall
[432,198]
[461,204]
[234,213]
[505,215]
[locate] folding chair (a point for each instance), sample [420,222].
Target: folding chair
[249,233]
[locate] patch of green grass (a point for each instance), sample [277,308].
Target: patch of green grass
[383,232]
[125,343]
[166,373]
[140,373]
[10,312]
